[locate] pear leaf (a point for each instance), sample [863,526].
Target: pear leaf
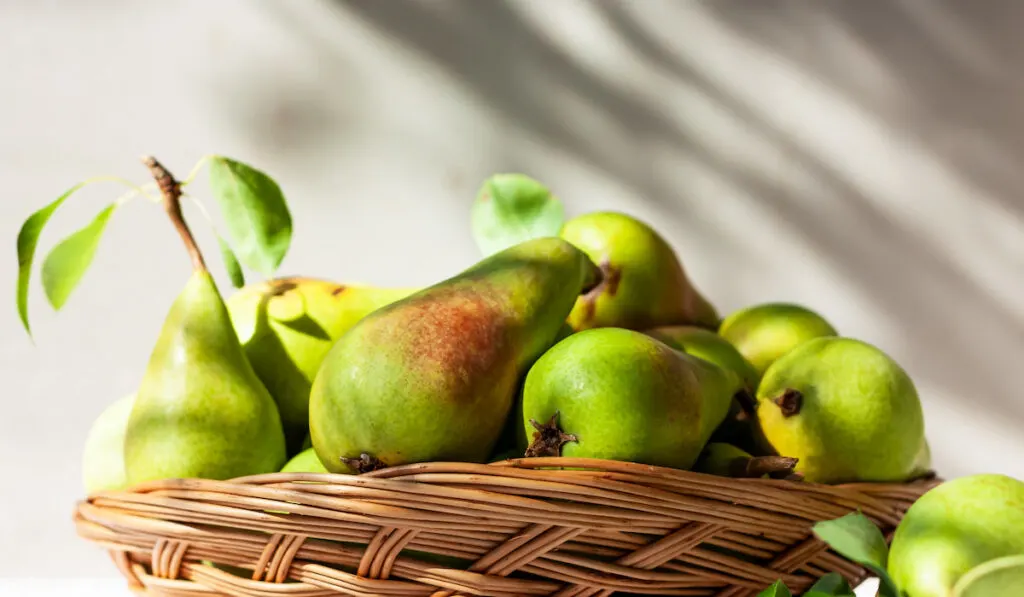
[513,208]
[256,215]
[778,589]
[66,263]
[28,238]
[1001,577]
[231,263]
[831,584]
[856,538]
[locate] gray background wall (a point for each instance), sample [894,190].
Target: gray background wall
[863,158]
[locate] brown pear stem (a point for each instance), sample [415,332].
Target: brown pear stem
[758,466]
[170,189]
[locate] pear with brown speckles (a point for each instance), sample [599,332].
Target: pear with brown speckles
[287,326]
[644,283]
[432,376]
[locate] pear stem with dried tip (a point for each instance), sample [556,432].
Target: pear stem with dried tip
[170,189]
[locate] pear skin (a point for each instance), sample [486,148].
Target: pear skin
[763,333]
[200,410]
[954,527]
[287,326]
[644,282]
[432,376]
[739,427]
[305,461]
[707,345]
[103,454]
[845,409]
[618,394]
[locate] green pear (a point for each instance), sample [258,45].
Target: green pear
[618,394]
[201,411]
[953,528]
[763,333]
[103,454]
[727,460]
[287,325]
[305,461]
[432,376]
[845,409]
[644,283]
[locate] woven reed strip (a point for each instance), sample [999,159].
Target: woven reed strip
[610,509]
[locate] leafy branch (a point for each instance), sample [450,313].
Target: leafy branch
[256,218]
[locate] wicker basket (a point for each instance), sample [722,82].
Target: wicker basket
[519,527]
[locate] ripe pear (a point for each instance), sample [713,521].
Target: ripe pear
[287,325]
[953,528]
[432,376]
[305,461]
[619,394]
[845,409]
[201,411]
[763,333]
[644,283]
[103,454]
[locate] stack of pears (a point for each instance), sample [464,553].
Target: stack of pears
[590,344]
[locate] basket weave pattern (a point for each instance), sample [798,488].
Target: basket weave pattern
[600,528]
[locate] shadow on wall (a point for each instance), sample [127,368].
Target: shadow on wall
[955,95]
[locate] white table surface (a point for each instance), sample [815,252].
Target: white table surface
[115,587]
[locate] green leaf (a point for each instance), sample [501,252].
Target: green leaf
[856,538]
[831,584]
[256,215]
[1001,577]
[28,238]
[231,263]
[778,589]
[513,208]
[66,263]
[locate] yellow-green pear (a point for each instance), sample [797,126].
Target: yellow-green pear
[305,461]
[644,283]
[200,410]
[763,333]
[103,454]
[287,326]
[845,409]
[955,527]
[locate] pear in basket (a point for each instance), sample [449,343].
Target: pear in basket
[287,325]
[200,410]
[432,376]
[957,526]
[103,454]
[617,394]
[644,283]
[763,333]
[845,409]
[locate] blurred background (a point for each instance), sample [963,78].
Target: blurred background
[861,158]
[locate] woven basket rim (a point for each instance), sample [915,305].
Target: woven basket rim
[526,526]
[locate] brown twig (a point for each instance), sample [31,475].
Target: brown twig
[170,189]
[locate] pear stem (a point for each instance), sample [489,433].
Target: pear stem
[170,189]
